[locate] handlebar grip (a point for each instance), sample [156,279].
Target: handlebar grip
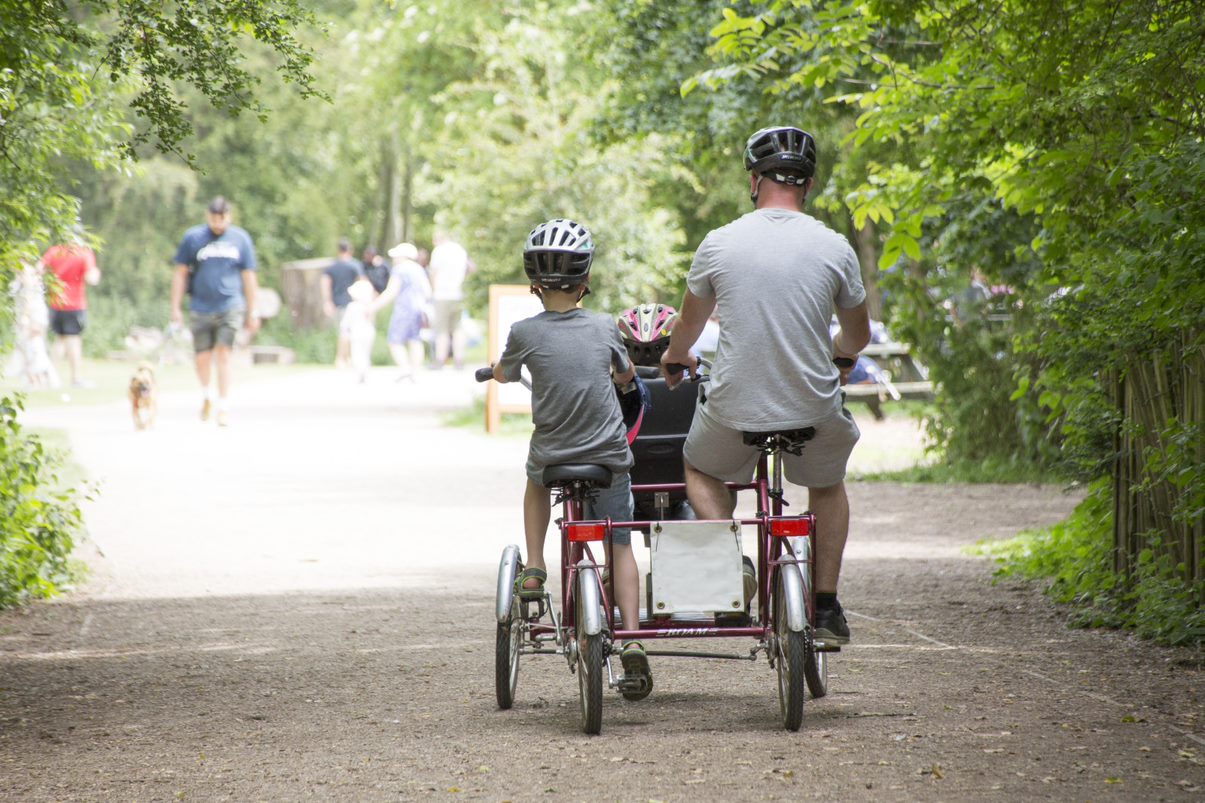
[676,368]
[484,374]
[844,362]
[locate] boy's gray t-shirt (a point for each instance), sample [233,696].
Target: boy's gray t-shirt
[573,402]
[775,275]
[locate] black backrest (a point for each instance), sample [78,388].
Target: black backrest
[658,447]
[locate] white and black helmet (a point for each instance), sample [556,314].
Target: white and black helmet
[557,254]
[784,154]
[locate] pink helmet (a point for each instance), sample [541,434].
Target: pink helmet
[645,330]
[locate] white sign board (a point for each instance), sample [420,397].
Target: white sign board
[509,304]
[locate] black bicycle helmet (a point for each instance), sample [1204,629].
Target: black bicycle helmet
[557,254]
[784,154]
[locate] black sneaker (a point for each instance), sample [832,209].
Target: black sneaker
[749,576]
[831,627]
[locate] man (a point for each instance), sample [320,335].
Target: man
[215,264]
[450,264]
[774,275]
[74,268]
[336,279]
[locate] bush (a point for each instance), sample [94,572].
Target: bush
[1076,556]
[37,519]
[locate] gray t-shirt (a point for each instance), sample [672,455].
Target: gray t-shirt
[775,275]
[573,402]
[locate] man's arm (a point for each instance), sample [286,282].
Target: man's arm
[251,292]
[179,282]
[692,317]
[852,337]
[92,272]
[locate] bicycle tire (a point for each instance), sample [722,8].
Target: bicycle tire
[815,670]
[589,681]
[506,662]
[792,651]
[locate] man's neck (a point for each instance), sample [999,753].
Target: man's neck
[779,201]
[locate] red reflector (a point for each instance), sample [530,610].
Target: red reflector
[587,531]
[794,526]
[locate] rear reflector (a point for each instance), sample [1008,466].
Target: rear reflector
[791,527]
[587,531]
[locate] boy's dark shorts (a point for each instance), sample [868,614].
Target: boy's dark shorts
[218,328]
[614,503]
[68,321]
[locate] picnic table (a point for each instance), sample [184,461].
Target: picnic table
[907,378]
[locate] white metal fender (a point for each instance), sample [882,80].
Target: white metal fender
[589,603]
[508,570]
[792,588]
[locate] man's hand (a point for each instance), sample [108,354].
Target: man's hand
[176,316]
[252,323]
[845,367]
[672,380]
[328,309]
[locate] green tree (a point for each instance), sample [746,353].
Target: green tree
[1085,123]
[82,88]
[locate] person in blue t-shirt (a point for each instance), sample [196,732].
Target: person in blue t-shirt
[337,278]
[215,264]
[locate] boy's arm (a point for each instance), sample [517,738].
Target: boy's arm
[624,377]
[499,377]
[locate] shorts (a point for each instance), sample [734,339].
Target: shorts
[613,503]
[68,321]
[720,452]
[215,329]
[447,316]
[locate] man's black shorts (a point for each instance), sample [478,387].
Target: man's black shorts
[68,322]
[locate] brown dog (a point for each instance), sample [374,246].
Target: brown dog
[142,397]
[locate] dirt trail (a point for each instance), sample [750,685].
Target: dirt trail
[301,607]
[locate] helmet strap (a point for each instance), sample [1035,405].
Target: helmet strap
[756,190]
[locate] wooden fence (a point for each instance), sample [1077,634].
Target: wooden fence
[1162,400]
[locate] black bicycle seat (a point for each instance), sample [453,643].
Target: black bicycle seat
[788,440]
[594,475]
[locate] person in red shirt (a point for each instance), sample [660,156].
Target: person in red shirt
[74,268]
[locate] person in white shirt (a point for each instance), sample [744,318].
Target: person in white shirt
[449,266]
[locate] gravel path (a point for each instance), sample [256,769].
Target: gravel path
[300,607]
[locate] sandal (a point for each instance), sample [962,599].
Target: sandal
[535,592]
[636,670]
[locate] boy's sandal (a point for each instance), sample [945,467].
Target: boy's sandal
[535,592]
[636,667]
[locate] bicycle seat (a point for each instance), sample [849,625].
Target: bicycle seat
[789,440]
[593,475]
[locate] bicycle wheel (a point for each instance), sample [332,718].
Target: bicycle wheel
[792,651]
[589,681]
[589,658]
[506,661]
[815,670]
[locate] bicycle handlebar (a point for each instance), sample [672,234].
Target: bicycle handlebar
[844,362]
[484,374]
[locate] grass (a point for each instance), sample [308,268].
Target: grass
[514,425]
[990,471]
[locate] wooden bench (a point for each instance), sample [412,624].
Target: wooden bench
[896,359]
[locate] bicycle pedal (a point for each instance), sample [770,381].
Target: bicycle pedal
[631,685]
[822,647]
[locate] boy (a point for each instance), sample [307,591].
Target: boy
[570,354]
